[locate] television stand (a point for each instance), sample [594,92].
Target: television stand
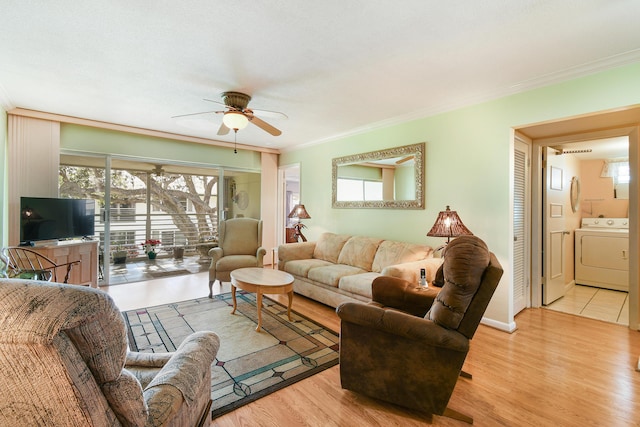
[86,272]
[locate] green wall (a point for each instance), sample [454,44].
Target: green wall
[250,184]
[467,165]
[95,140]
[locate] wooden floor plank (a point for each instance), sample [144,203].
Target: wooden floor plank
[556,370]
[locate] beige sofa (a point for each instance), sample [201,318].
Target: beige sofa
[340,268]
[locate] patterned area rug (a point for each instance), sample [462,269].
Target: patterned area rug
[249,364]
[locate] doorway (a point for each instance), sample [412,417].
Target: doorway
[288,196]
[589,274]
[622,122]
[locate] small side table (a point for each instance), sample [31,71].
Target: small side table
[261,281]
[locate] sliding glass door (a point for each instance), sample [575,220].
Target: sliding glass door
[179,209]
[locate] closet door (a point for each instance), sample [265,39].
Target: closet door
[521,232]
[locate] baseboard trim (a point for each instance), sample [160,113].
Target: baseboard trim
[506,327]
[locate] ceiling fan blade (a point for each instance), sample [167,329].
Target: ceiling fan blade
[223,129]
[228,107]
[193,114]
[214,101]
[263,125]
[269,113]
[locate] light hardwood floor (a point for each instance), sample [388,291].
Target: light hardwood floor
[556,370]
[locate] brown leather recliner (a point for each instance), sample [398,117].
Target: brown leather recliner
[408,345]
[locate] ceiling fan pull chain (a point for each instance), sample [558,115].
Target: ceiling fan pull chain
[235,141]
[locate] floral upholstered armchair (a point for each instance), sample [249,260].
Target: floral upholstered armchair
[64,362]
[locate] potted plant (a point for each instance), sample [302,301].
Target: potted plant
[150,247]
[119,254]
[178,252]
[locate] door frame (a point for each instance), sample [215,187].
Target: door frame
[556,137]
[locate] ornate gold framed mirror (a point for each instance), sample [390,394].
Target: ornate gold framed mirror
[389,178]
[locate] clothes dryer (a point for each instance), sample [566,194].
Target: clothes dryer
[602,253]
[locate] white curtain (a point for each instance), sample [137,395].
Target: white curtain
[615,168]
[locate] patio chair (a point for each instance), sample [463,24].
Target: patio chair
[26,263]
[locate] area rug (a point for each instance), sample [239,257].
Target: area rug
[249,364]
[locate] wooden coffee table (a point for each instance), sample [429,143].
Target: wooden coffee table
[262,281]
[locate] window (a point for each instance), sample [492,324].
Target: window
[623,175]
[616,169]
[358,190]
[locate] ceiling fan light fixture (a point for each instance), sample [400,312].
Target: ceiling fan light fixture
[235,120]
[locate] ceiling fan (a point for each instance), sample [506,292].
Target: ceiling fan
[237,116]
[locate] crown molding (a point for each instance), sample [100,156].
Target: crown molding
[135,130]
[548,79]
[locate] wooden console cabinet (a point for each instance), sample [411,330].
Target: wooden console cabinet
[85,273]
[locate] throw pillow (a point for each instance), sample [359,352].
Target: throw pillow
[329,245]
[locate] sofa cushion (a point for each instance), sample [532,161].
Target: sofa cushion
[391,253]
[233,262]
[359,284]
[331,274]
[410,271]
[465,260]
[301,267]
[359,252]
[329,245]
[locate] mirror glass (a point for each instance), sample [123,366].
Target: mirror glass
[390,178]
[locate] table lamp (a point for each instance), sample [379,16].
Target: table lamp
[449,225]
[299,212]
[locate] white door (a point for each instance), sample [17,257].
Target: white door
[521,234]
[555,199]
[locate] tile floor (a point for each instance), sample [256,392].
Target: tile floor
[596,303]
[146,269]
[163,291]
[146,283]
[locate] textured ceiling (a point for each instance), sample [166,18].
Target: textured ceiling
[333,67]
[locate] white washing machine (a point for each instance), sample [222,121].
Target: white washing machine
[602,253]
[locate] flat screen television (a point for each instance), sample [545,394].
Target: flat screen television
[45,218]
